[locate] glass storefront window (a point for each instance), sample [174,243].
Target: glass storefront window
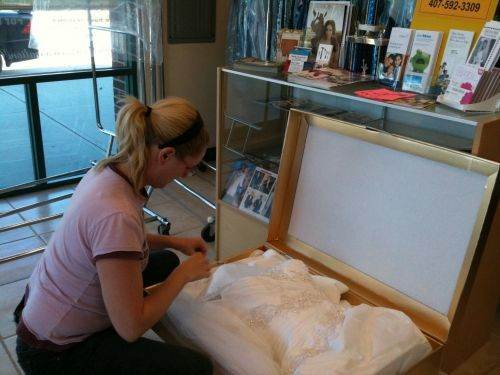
[70,136]
[51,41]
[16,165]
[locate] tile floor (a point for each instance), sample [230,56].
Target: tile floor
[188,216]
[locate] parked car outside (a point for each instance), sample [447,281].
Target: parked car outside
[15,28]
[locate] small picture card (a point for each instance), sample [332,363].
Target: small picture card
[298,56]
[324,54]
[238,181]
[258,197]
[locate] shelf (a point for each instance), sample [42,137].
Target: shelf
[252,125]
[253,158]
[428,136]
[347,91]
[241,212]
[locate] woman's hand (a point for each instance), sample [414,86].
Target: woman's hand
[194,268]
[186,245]
[191,245]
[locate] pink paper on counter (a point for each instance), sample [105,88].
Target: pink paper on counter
[384,94]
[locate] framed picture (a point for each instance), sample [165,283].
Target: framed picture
[287,40]
[257,200]
[238,181]
[328,24]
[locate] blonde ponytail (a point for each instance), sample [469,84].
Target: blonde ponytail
[138,128]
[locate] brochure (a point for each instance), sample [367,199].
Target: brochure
[486,50]
[391,70]
[420,67]
[463,84]
[455,53]
[298,56]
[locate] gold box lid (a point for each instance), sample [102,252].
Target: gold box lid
[399,220]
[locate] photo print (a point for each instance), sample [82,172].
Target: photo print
[390,68]
[257,200]
[327,24]
[238,181]
[481,51]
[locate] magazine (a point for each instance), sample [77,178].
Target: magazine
[257,200]
[486,50]
[328,23]
[420,67]
[391,69]
[327,78]
[354,118]
[238,181]
[417,101]
[455,54]
[256,65]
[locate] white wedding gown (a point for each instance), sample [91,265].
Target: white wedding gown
[268,315]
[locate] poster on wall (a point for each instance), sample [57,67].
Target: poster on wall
[328,24]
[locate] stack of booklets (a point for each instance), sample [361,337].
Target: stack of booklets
[252,64]
[488,86]
[420,67]
[390,71]
[477,80]
[455,54]
[326,78]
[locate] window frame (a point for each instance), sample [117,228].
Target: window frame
[30,82]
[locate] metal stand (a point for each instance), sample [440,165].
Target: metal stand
[165,224]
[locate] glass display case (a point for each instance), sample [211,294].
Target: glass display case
[253,109]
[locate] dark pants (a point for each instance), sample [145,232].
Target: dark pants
[107,353]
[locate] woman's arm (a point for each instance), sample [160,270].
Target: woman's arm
[187,245]
[121,282]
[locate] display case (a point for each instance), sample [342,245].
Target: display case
[252,116]
[252,113]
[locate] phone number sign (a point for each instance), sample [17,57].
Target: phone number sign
[470,9]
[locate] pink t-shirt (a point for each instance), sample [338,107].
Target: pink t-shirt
[104,219]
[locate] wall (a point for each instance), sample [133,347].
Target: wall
[191,68]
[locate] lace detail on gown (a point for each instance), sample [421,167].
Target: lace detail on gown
[268,315]
[297,295]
